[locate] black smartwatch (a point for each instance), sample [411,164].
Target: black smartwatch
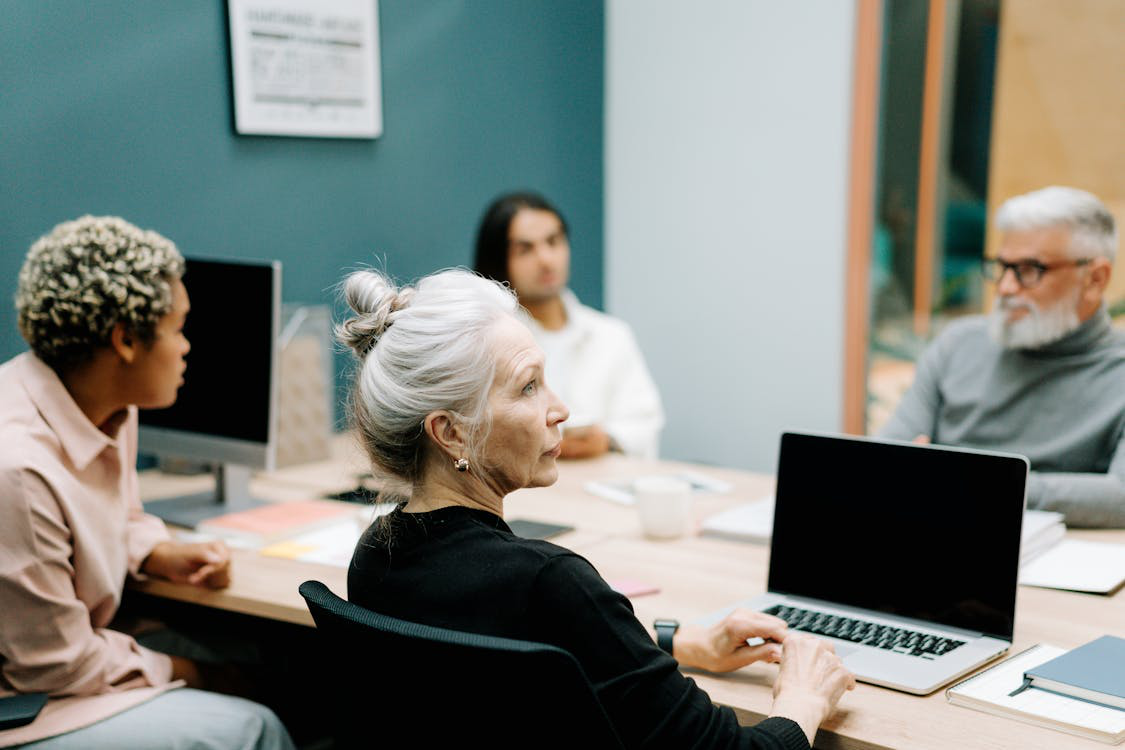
[665,632]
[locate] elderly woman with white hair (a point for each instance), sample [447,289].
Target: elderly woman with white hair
[102,307]
[453,410]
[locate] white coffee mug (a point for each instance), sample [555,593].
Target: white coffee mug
[664,506]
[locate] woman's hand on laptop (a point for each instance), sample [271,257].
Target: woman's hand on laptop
[810,682]
[723,647]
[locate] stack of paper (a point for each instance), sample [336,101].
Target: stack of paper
[621,490]
[1078,565]
[1041,531]
[333,544]
[749,522]
[753,522]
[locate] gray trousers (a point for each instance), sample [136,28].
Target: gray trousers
[181,719]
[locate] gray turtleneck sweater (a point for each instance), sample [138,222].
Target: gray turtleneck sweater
[1061,405]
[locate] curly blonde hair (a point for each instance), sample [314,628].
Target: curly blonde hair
[84,278]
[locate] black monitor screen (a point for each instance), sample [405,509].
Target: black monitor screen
[921,532]
[226,390]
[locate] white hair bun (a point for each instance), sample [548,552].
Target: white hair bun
[375,300]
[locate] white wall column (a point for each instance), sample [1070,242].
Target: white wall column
[726,173]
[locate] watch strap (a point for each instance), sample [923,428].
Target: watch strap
[665,633]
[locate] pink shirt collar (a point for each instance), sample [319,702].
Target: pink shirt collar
[79,437]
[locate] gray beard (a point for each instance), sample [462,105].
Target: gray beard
[1035,329]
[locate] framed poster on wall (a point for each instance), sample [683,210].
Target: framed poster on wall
[306,68]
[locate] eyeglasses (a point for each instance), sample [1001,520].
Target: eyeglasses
[1028,272]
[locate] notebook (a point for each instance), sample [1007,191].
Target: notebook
[1093,672]
[18,710]
[991,692]
[529,529]
[274,521]
[904,556]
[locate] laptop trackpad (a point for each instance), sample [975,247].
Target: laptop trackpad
[843,651]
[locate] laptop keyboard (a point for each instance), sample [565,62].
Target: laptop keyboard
[899,640]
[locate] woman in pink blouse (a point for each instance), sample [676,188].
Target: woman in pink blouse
[102,307]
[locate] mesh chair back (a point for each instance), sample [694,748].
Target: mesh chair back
[397,680]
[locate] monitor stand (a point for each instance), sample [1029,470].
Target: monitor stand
[230,495]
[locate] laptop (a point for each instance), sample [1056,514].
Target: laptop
[905,557]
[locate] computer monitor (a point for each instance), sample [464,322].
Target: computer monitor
[226,410]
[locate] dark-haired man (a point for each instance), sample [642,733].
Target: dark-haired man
[593,361]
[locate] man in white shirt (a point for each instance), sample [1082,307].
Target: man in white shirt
[593,361]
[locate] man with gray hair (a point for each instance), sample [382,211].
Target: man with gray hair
[1044,374]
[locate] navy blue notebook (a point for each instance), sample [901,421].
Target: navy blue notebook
[1094,672]
[536,529]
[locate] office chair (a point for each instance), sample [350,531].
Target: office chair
[399,683]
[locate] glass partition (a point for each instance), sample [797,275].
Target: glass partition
[931,188]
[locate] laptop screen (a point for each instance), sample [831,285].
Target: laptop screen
[922,532]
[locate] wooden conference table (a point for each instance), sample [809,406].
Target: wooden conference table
[696,576]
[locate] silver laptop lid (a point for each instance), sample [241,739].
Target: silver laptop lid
[925,532]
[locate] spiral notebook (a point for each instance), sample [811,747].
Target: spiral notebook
[990,691]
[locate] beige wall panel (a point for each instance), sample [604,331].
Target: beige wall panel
[1059,112]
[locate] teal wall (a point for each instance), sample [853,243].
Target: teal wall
[123,107]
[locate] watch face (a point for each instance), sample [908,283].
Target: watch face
[666,624]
